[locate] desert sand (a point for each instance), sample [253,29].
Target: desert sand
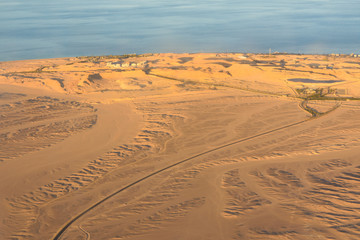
[211,146]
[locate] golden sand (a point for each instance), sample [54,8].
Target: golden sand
[180,146]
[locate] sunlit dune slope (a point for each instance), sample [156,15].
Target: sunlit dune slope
[180,146]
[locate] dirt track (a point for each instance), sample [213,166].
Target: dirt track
[60,233]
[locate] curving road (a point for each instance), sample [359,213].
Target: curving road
[60,233]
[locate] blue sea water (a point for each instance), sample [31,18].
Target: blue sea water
[31,29]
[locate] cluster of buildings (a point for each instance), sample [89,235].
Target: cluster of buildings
[308,91]
[342,55]
[124,64]
[354,55]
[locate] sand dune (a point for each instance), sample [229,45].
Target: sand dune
[180,146]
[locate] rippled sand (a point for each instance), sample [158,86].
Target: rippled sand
[180,146]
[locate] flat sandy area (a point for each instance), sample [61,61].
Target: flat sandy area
[180,146]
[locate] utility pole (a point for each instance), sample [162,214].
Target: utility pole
[269,51]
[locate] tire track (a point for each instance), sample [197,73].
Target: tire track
[85,232]
[68,224]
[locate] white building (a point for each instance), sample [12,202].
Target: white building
[123,64]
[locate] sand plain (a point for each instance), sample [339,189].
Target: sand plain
[180,146]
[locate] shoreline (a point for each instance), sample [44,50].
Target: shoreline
[357,55]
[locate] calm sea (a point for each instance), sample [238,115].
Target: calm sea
[31,29]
